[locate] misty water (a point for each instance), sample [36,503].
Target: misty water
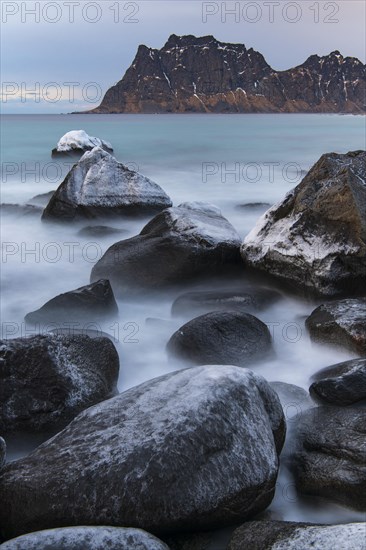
[226,160]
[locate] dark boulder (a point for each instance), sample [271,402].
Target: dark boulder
[99,186]
[91,302]
[178,244]
[42,199]
[2,452]
[329,454]
[289,535]
[341,384]
[315,238]
[86,538]
[221,337]
[341,323]
[45,381]
[245,300]
[194,449]
[100,231]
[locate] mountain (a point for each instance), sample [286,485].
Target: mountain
[191,74]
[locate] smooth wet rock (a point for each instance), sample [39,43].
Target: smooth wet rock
[88,303]
[41,199]
[254,206]
[86,538]
[341,323]
[2,452]
[245,300]
[100,186]
[45,381]
[198,447]
[290,535]
[315,239]
[221,337]
[77,142]
[100,231]
[341,384]
[179,244]
[329,454]
[293,399]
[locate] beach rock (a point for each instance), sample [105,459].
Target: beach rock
[245,300]
[2,452]
[86,538]
[92,302]
[316,237]
[197,448]
[77,142]
[221,337]
[100,231]
[329,454]
[293,398]
[98,186]
[42,199]
[289,535]
[341,384]
[341,323]
[178,244]
[47,380]
[254,206]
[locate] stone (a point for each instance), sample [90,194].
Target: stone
[77,142]
[341,384]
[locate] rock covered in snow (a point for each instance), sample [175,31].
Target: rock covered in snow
[248,300]
[194,447]
[99,185]
[221,337]
[342,322]
[329,454]
[47,380]
[77,142]
[178,244]
[91,302]
[86,538]
[316,237]
[2,452]
[289,535]
[341,384]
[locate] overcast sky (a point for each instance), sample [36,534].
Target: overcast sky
[73,44]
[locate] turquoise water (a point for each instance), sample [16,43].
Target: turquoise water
[228,160]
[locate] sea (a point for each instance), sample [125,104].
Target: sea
[241,163]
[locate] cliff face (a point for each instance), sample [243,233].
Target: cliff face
[191,74]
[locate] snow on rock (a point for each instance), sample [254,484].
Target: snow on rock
[180,243]
[316,237]
[99,185]
[46,380]
[86,537]
[77,142]
[198,445]
[288,535]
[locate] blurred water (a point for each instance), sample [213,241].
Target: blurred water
[228,160]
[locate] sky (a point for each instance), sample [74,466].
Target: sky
[59,57]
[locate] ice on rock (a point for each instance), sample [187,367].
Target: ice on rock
[78,141]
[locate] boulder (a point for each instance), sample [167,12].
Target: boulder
[341,384]
[329,454]
[77,142]
[221,337]
[178,244]
[249,299]
[194,449]
[293,399]
[341,323]
[86,538]
[42,199]
[98,186]
[47,380]
[91,302]
[290,535]
[316,237]
[2,452]
[100,231]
